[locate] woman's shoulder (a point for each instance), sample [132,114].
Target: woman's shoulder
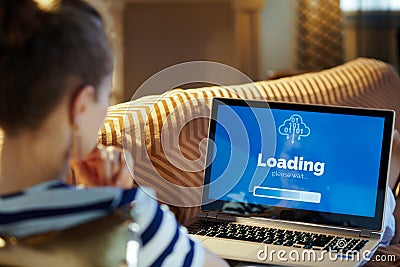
[55,205]
[99,242]
[75,217]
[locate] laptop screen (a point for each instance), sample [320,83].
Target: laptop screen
[319,164]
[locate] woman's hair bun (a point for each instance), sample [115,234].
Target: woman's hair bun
[19,20]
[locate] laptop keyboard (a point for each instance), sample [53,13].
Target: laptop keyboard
[281,237]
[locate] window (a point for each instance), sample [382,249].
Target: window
[369,5]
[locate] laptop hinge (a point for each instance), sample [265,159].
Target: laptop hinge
[202,214]
[219,216]
[365,233]
[212,215]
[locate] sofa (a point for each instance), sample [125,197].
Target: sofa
[166,133]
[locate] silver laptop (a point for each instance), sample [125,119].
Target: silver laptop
[294,184]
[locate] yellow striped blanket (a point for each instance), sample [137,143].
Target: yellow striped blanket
[166,133]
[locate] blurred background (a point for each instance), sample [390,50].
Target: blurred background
[263,38]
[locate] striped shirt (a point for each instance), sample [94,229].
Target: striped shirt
[55,206]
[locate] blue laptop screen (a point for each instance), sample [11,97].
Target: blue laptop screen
[305,160]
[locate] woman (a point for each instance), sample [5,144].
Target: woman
[55,72]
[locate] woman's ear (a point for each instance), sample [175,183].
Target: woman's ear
[80,102]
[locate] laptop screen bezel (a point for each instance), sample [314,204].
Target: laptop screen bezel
[341,220]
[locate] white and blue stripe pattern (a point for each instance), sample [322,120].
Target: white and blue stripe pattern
[56,206]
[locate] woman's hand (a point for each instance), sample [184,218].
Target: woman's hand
[106,165]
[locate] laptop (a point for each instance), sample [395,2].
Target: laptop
[294,184]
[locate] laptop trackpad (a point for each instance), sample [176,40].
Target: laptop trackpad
[233,248]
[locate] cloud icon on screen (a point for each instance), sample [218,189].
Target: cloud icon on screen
[294,128]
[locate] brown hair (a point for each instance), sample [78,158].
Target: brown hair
[46,55]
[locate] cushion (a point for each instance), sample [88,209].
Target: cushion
[166,134]
[394,173]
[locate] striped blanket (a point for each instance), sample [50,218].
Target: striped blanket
[166,133]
